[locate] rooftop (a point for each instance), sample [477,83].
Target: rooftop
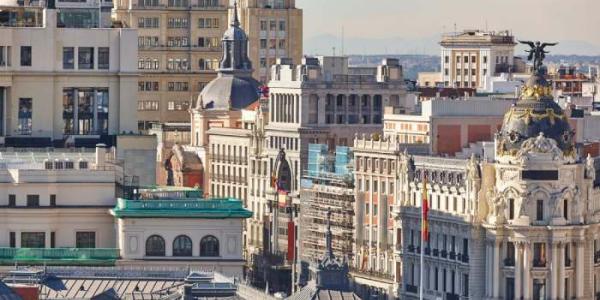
[181,208]
[477,37]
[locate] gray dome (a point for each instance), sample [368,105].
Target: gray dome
[227,92]
[234,33]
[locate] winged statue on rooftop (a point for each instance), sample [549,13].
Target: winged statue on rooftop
[537,53]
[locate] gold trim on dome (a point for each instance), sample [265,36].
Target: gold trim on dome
[538,92]
[529,114]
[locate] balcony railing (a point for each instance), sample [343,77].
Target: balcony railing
[59,255]
[452,255]
[412,288]
[214,208]
[539,263]
[444,254]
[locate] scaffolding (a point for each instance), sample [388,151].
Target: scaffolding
[327,184]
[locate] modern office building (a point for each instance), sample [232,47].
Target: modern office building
[64,85]
[275,31]
[179,48]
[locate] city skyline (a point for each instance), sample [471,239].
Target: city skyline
[402,27]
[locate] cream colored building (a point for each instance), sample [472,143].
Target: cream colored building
[275,31]
[65,83]
[471,59]
[179,44]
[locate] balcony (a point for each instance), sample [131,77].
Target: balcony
[59,256]
[539,263]
[465,259]
[427,251]
[436,252]
[411,288]
[444,254]
[411,248]
[452,255]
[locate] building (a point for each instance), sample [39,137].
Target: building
[473,58]
[275,31]
[448,127]
[83,96]
[179,47]
[115,283]
[118,222]
[326,186]
[567,82]
[521,225]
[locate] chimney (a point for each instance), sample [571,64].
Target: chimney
[100,155]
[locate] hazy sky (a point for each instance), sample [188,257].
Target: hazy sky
[551,20]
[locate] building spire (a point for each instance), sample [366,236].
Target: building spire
[236,21]
[329,251]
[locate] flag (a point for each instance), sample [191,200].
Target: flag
[425,212]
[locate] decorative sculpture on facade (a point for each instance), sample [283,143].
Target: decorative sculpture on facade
[537,53]
[540,144]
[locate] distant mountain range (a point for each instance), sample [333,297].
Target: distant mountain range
[323,45]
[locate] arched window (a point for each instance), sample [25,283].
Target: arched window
[155,246]
[209,246]
[182,246]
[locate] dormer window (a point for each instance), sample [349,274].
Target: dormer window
[83,164]
[59,165]
[69,165]
[48,165]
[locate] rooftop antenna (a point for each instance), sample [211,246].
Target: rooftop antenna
[333,48]
[342,40]
[455,30]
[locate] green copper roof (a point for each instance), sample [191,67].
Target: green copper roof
[186,208]
[59,256]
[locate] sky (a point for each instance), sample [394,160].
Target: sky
[576,23]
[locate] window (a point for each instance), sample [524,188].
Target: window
[208,42]
[446,71]
[148,22]
[177,64]
[86,58]
[208,23]
[272,25]
[473,72]
[209,246]
[4,56]
[148,86]
[208,64]
[282,25]
[148,64]
[103,58]
[85,239]
[281,44]
[511,209]
[147,105]
[510,254]
[177,41]
[177,23]
[12,200]
[485,59]
[147,41]
[53,200]
[26,56]
[208,3]
[25,112]
[182,246]
[263,25]
[539,210]
[177,86]
[33,240]
[155,246]
[466,59]
[68,58]
[178,105]
[85,111]
[178,3]
[33,200]
[13,239]
[539,254]
[566,209]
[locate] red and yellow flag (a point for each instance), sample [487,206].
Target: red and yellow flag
[425,212]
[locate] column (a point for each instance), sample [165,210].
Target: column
[488,269]
[47,238]
[272,107]
[496,270]
[580,270]
[527,256]
[518,269]
[561,271]
[552,273]
[17,239]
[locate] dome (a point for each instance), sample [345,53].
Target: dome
[535,114]
[234,33]
[227,92]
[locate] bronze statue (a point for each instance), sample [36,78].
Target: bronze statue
[537,53]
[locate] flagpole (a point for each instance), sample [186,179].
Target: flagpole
[422,259]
